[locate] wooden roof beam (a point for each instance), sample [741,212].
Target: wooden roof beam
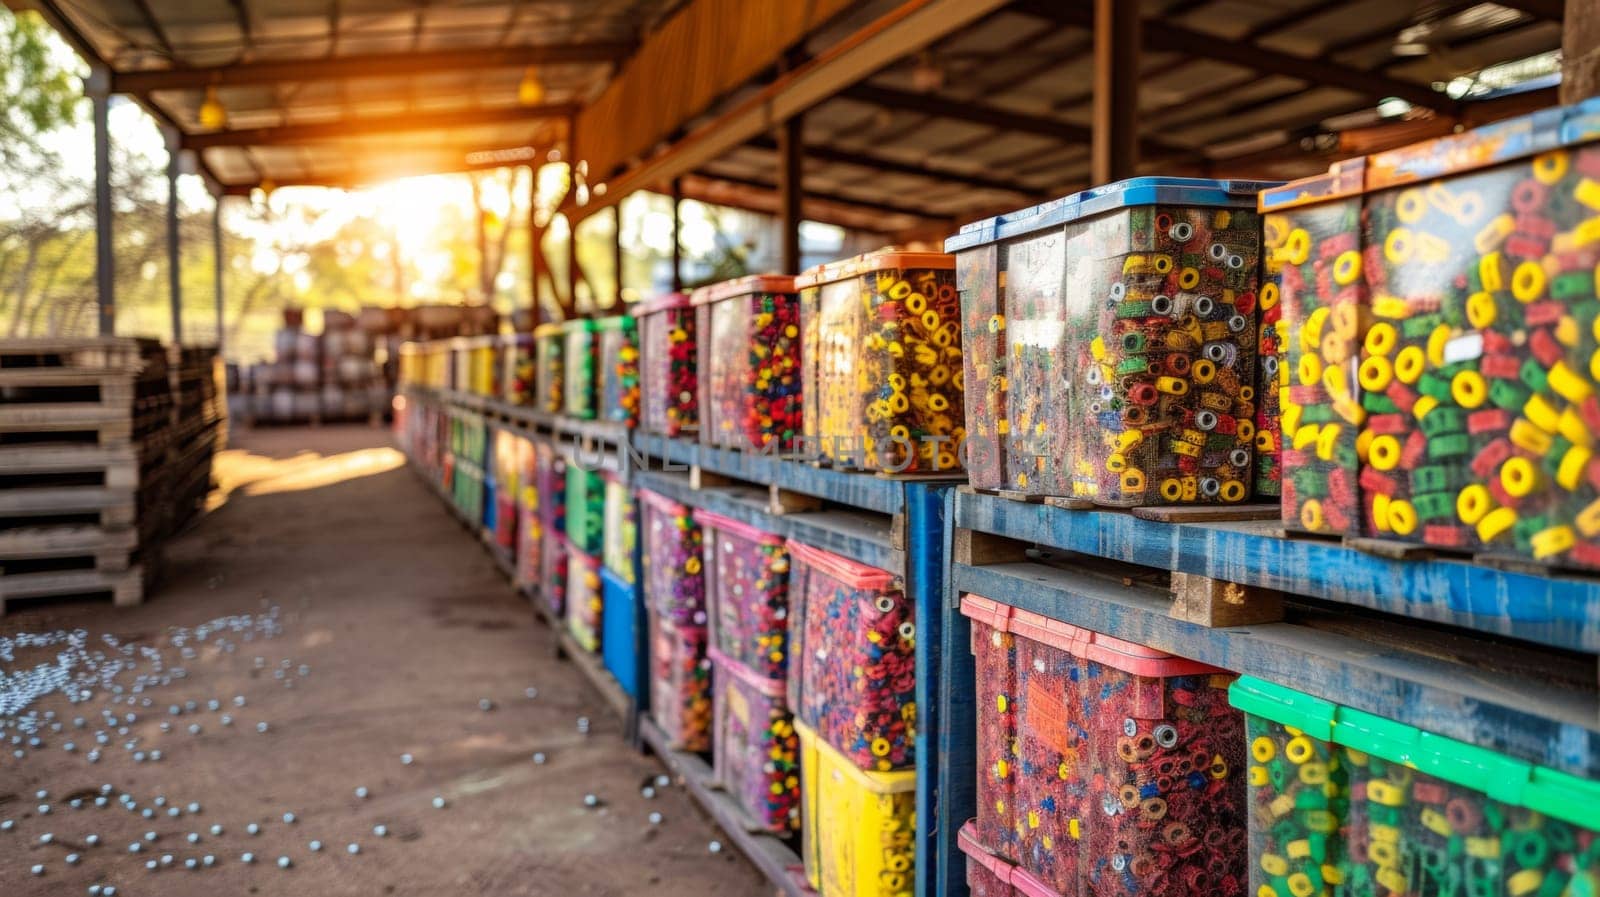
[874,162]
[386,65]
[287,135]
[835,198]
[990,117]
[1164,36]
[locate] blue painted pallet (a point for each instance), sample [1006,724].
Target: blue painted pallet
[1522,714]
[1558,611]
[858,536]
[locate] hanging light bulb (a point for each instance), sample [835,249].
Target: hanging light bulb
[212,114]
[531,91]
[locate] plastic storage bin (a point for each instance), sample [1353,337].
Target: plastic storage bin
[747,587]
[1405,812]
[1313,236]
[680,683]
[621,527]
[579,356]
[881,362]
[586,509]
[622,645]
[552,480]
[509,461]
[1114,335]
[749,342]
[673,564]
[1124,775]
[483,366]
[583,598]
[619,369]
[852,676]
[550,373]
[858,829]
[1272,377]
[988,875]
[530,517]
[754,747]
[518,380]
[669,399]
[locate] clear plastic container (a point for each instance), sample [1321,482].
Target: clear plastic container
[1405,812]
[881,369]
[1125,774]
[749,340]
[619,369]
[858,829]
[680,683]
[483,366]
[518,380]
[622,647]
[621,528]
[1114,333]
[669,392]
[509,461]
[1317,249]
[586,509]
[550,368]
[580,382]
[747,585]
[1272,377]
[583,599]
[852,674]
[556,556]
[530,516]
[755,748]
[552,481]
[988,875]
[674,567]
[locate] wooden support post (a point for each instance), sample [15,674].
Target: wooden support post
[677,247]
[1115,138]
[1218,603]
[782,501]
[573,275]
[616,251]
[216,272]
[791,155]
[535,256]
[174,269]
[700,478]
[105,258]
[1580,51]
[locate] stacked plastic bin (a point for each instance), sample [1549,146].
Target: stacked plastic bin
[580,379]
[754,744]
[518,381]
[1121,372]
[749,342]
[1344,802]
[1461,404]
[1105,768]
[483,366]
[619,369]
[550,371]
[881,362]
[620,642]
[852,683]
[552,482]
[674,590]
[530,517]
[669,395]
[585,532]
[509,461]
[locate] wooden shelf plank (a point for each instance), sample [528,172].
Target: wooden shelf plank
[1562,612]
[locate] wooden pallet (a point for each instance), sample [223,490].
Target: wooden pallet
[131,355]
[117,467]
[109,550]
[109,507]
[126,587]
[1197,599]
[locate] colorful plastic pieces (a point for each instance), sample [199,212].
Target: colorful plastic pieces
[747,586]
[755,748]
[669,391]
[750,343]
[619,369]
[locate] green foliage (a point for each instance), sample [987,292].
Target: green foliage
[41,81]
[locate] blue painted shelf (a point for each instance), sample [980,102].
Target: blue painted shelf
[1459,690]
[1562,612]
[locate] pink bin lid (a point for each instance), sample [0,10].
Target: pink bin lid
[743,286]
[1025,883]
[662,302]
[1129,657]
[876,260]
[662,503]
[736,527]
[967,840]
[851,573]
[722,663]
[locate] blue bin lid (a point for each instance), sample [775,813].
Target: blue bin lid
[1235,194]
[613,582]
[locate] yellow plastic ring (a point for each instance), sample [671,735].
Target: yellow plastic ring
[1409,206]
[1375,374]
[1409,364]
[1381,339]
[916,303]
[1297,249]
[1481,311]
[1299,750]
[1268,299]
[1384,452]
[1205,370]
[1263,749]
[1310,514]
[1519,476]
[1232,491]
[1347,267]
[1402,517]
[1469,389]
[1527,282]
[1189,278]
[1550,167]
[1398,247]
[1310,369]
[1472,503]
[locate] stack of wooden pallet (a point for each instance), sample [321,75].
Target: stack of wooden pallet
[86,428]
[199,428]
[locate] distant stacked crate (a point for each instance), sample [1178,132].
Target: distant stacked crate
[199,428]
[86,431]
[353,386]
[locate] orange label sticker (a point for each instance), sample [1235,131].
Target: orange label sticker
[1045,714]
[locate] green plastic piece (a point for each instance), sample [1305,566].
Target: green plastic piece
[1507,395]
[1535,376]
[1444,420]
[1453,446]
[1434,505]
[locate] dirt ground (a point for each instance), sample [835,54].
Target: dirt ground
[394,626]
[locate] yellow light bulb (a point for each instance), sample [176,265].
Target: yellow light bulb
[212,113]
[531,91]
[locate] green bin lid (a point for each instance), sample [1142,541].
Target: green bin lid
[1257,697]
[615,322]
